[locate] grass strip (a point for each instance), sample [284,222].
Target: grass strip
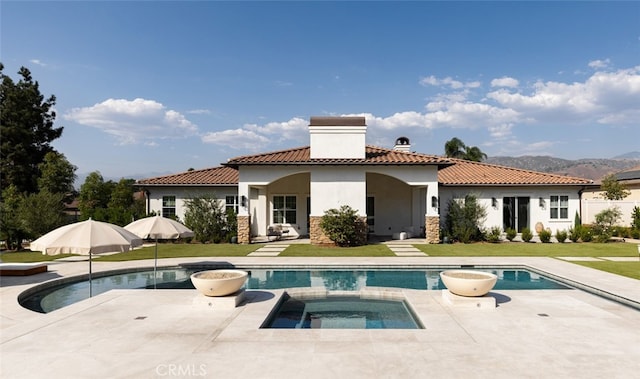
[517,249]
[629,269]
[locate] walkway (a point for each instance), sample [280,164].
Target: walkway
[404,249]
[269,250]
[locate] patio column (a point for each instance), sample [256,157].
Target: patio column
[432,229]
[244,229]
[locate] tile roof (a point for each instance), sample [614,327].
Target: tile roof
[210,176]
[373,156]
[453,172]
[477,173]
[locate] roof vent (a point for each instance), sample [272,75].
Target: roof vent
[402,144]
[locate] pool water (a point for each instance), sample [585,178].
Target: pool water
[341,312]
[51,297]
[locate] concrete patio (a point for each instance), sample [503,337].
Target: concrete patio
[173,333]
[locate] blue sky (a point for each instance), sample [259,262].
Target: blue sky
[149,88]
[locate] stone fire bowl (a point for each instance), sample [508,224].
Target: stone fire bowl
[468,282]
[219,282]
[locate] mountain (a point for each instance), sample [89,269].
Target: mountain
[588,168]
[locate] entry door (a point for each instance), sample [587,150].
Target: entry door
[515,213]
[371,214]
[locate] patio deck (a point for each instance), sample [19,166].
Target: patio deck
[169,333]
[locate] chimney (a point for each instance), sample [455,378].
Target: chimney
[337,137]
[402,144]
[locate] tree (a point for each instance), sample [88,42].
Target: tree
[12,231]
[455,148]
[26,127]
[42,212]
[206,216]
[613,190]
[473,153]
[605,221]
[464,219]
[94,197]
[57,175]
[121,203]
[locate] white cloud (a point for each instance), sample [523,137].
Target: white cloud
[605,97]
[598,64]
[448,82]
[133,121]
[237,138]
[38,62]
[199,111]
[505,82]
[509,113]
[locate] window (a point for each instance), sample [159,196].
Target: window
[231,202]
[559,207]
[169,206]
[284,210]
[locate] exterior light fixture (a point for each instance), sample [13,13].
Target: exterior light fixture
[434,202]
[494,202]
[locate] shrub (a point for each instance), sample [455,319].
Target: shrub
[545,236]
[511,233]
[635,233]
[561,235]
[605,222]
[464,218]
[526,234]
[493,235]
[206,216]
[574,234]
[635,218]
[344,227]
[586,233]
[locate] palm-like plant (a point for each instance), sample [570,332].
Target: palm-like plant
[455,148]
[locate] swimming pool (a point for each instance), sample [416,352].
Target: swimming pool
[341,312]
[53,295]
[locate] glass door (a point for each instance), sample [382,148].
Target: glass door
[515,213]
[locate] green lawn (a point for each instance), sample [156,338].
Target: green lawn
[304,250]
[630,269]
[177,250]
[512,249]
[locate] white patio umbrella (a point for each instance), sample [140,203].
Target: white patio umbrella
[86,238]
[158,227]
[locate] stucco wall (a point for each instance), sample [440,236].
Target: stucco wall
[537,213]
[393,204]
[182,193]
[333,187]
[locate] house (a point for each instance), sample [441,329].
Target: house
[394,189]
[594,202]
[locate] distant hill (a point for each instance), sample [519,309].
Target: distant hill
[593,169]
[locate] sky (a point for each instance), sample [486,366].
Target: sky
[150,88]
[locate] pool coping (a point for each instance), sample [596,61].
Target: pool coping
[231,334]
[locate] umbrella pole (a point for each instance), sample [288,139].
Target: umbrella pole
[90,284]
[155,265]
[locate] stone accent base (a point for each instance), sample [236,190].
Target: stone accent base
[432,228]
[316,235]
[244,229]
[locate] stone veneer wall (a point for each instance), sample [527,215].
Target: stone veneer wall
[244,229]
[432,228]
[316,235]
